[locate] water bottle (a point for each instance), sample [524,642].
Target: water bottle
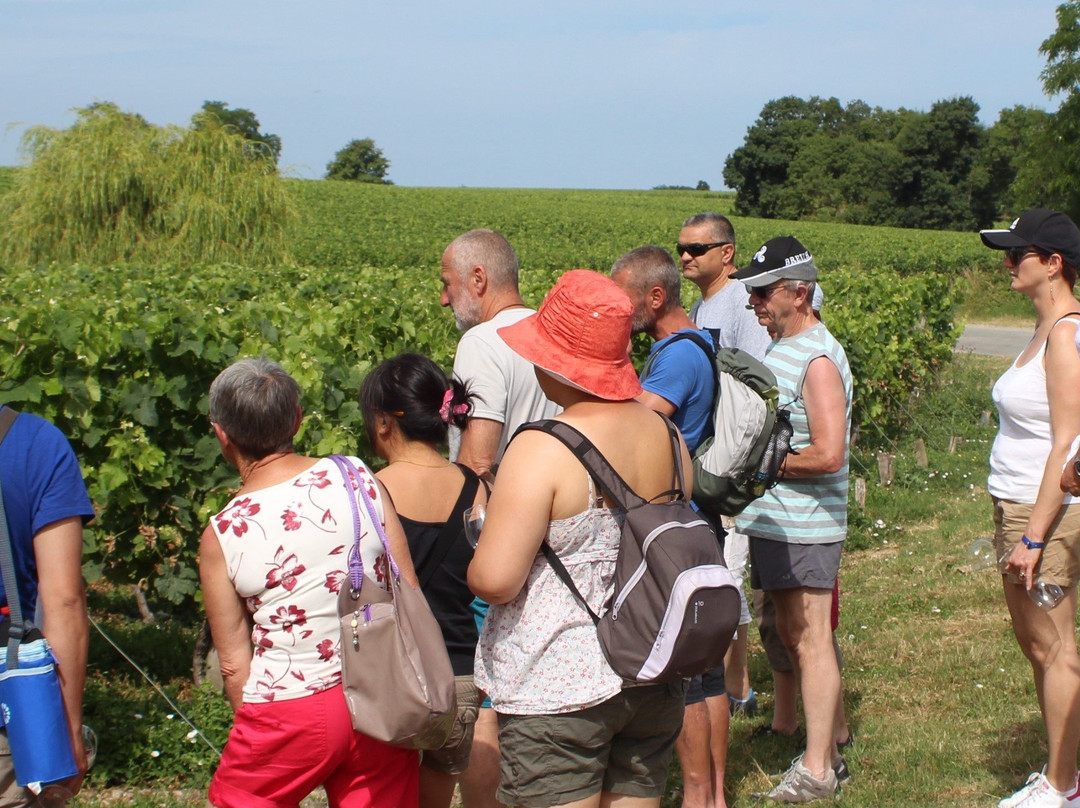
[1045,595]
[982,555]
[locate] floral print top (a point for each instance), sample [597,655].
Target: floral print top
[539,653]
[286,549]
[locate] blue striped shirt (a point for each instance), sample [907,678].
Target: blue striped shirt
[810,510]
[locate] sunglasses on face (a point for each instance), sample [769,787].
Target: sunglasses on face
[697,250]
[765,292]
[1018,254]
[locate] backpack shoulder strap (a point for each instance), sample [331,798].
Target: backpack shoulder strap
[17,627]
[678,480]
[696,337]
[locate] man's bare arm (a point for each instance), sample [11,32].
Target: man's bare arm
[480,444]
[656,403]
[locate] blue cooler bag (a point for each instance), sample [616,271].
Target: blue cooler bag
[32,711]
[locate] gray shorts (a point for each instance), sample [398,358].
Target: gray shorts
[780,565]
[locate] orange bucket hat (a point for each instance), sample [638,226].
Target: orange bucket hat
[581,333]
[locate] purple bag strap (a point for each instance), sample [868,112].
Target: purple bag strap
[356,563]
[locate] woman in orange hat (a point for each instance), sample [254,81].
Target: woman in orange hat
[569,733]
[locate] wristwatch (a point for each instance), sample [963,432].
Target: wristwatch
[1076,465]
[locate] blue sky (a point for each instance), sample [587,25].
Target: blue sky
[518,93]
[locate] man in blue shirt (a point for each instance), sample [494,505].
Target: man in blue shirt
[678,381]
[46,504]
[678,378]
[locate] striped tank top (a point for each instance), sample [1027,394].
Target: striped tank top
[811,510]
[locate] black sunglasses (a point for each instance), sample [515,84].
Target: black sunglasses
[697,250]
[1018,254]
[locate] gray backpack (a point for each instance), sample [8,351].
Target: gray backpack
[751,435]
[675,605]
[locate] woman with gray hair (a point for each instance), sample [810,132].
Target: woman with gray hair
[272,563]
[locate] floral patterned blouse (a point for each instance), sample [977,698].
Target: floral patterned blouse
[539,653]
[286,549]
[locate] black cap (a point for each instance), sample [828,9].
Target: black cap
[1045,230]
[782,258]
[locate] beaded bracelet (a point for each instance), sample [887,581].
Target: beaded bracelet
[1032,545]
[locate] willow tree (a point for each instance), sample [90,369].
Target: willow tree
[114,188]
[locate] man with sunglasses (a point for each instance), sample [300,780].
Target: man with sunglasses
[706,249]
[797,529]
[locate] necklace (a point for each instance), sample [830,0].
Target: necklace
[421,465]
[504,308]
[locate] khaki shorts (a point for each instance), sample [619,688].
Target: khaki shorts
[621,746]
[1060,563]
[453,757]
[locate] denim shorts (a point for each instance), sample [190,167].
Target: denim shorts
[706,686]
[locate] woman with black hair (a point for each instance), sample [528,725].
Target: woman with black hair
[408,404]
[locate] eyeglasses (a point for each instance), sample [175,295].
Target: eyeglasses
[1018,254]
[697,250]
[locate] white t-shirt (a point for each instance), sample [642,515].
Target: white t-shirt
[504,384]
[731,324]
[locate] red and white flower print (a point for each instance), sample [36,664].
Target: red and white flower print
[313,479]
[289,617]
[236,516]
[290,519]
[284,570]
[334,580]
[381,572]
[260,637]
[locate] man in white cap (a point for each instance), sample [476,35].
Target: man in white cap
[797,529]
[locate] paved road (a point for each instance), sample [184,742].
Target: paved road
[990,340]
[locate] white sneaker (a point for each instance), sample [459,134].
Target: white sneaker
[799,785]
[1038,793]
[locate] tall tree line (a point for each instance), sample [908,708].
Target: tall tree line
[941,169]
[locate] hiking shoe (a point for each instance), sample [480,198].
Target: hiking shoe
[799,785]
[747,706]
[1038,793]
[840,769]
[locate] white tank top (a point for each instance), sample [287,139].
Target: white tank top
[1018,457]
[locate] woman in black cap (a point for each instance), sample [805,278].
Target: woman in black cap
[1037,526]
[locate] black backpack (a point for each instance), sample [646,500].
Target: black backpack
[675,605]
[751,435]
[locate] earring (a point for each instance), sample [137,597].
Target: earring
[1052,291]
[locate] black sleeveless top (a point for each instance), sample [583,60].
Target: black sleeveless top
[442,571]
